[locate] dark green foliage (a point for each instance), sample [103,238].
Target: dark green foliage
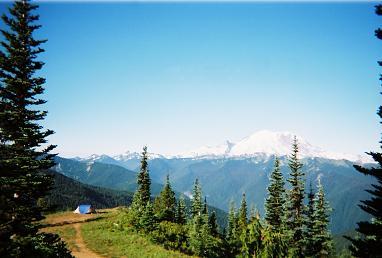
[171,235]
[369,243]
[274,204]
[242,219]
[196,204]
[213,224]
[295,202]
[68,193]
[181,213]
[322,240]
[205,206]
[148,220]
[143,193]
[343,187]
[42,245]
[141,214]
[275,245]
[251,239]
[232,232]
[310,248]
[24,153]
[201,241]
[165,203]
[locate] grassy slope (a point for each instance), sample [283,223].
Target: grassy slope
[104,237]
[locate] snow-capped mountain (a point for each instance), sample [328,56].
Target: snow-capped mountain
[262,143]
[96,158]
[128,155]
[269,143]
[212,151]
[129,160]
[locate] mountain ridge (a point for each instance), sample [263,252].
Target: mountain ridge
[263,143]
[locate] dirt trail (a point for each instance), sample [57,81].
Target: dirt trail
[68,219]
[83,251]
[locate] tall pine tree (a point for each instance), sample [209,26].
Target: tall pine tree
[295,203]
[242,219]
[181,213]
[233,233]
[24,153]
[274,204]
[165,203]
[322,239]
[196,205]
[143,193]
[310,248]
[232,224]
[370,242]
[213,224]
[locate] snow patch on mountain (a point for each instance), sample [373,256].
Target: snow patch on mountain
[128,155]
[89,166]
[269,143]
[260,145]
[217,151]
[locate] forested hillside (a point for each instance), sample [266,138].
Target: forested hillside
[67,193]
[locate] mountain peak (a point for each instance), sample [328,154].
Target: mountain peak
[269,143]
[260,143]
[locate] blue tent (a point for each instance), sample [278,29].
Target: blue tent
[84,209]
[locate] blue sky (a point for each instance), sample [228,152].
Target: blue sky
[176,76]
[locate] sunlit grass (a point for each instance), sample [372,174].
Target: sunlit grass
[106,237]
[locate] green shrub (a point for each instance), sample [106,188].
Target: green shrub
[171,235]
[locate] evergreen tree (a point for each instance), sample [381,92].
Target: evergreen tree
[310,248]
[181,214]
[274,204]
[231,226]
[244,241]
[232,232]
[370,242]
[205,207]
[213,224]
[242,220]
[142,194]
[201,238]
[196,205]
[202,242]
[253,214]
[148,221]
[195,235]
[274,245]
[165,203]
[295,203]
[24,153]
[204,215]
[254,238]
[322,240]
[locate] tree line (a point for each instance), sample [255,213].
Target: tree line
[294,225]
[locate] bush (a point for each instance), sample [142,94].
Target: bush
[171,235]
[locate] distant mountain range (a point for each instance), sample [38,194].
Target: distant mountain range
[228,170]
[263,143]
